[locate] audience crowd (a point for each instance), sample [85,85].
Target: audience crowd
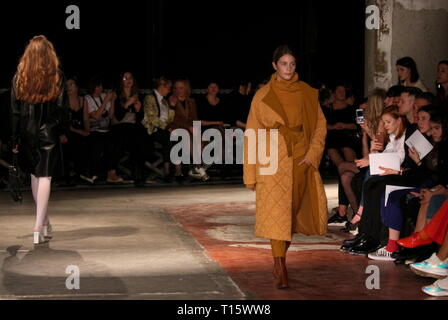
[399,215]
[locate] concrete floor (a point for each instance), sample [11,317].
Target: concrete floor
[124,241]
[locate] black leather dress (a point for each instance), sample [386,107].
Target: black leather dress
[36,129]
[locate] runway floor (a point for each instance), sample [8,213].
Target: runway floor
[176,243]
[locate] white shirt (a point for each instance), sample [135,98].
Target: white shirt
[397,146]
[93,104]
[163,106]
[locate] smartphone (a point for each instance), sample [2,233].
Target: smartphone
[360,116]
[380,137]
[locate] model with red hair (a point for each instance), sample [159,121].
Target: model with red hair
[39,122]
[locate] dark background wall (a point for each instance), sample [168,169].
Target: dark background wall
[202,40]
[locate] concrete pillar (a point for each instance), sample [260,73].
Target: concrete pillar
[415,28]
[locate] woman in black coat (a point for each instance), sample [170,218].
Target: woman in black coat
[39,123]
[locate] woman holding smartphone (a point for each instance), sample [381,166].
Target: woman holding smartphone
[373,130]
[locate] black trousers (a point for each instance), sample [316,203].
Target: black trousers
[101,153]
[162,137]
[76,152]
[129,137]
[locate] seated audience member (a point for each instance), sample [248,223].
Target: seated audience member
[185,114]
[408,75]
[393,96]
[371,127]
[442,85]
[341,141]
[426,173]
[212,112]
[369,237]
[77,147]
[240,101]
[100,107]
[126,125]
[211,108]
[422,99]
[158,115]
[406,103]
[436,193]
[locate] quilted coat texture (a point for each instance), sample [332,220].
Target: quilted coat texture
[274,195]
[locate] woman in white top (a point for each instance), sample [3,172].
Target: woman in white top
[408,75]
[395,126]
[100,107]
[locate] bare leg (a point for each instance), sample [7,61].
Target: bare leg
[357,216]
[394,234]
[421,218]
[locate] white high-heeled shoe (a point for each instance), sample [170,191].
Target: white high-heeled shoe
[38,237]
[47,230]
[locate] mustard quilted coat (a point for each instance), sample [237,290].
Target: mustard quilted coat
[274,192]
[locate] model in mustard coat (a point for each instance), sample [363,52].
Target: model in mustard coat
[292,200]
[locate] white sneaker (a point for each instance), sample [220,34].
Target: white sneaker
[89,180]
[432,268]
[381,255]
[437,289]
[198,173]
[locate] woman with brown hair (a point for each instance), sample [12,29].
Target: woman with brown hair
[39,122]
[185,114]
[292,200]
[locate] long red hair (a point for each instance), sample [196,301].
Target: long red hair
[38,78]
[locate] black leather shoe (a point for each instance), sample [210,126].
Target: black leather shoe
[365,246]
[349,227]
[336,218]
[350,243]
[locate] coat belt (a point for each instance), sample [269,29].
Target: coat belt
[290,135]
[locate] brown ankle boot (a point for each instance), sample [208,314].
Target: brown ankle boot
[280,273]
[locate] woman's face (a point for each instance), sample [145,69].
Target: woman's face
[436,131]
[213,89]
[339,93]
[391,124]
[285,67]
[180,89]
[423,122]
[442,74]
[404,74]
[72,88]
[128,80]
[98,90]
